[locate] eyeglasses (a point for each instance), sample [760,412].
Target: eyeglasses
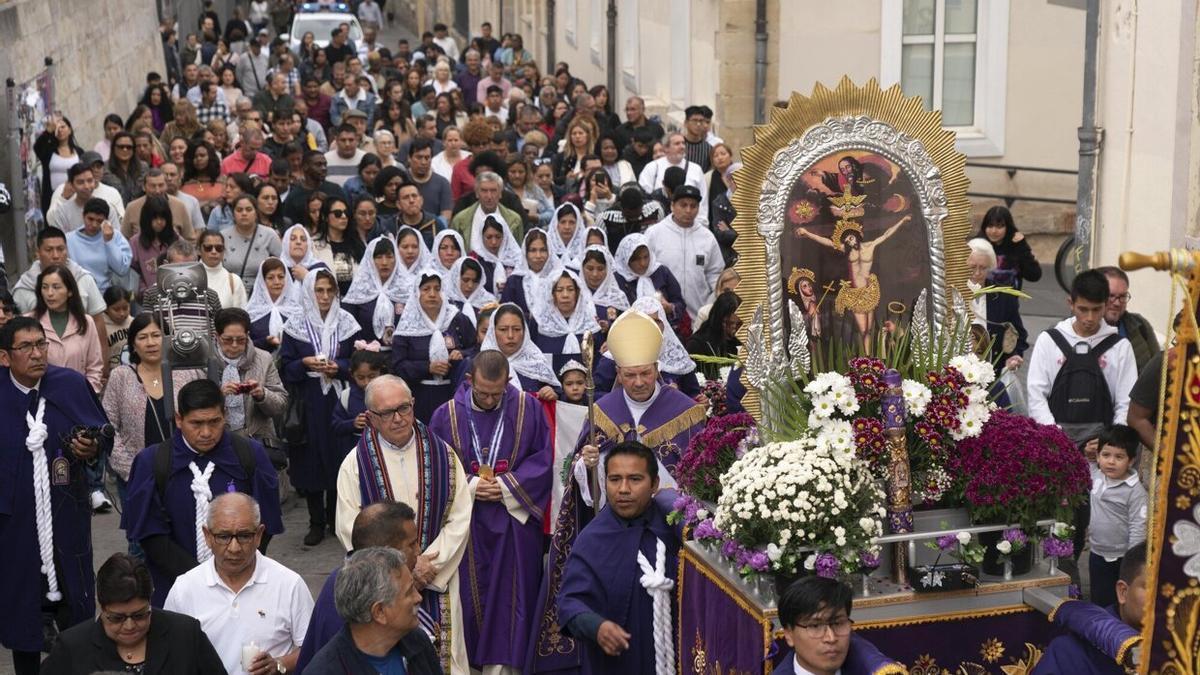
[120,619]
[340,213]
[1124,297]
[26,347]
[214,248]
[226,538]
[231,341]
[123,146]
[816,631]
[403,410]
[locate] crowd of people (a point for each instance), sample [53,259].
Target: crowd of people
[404,249]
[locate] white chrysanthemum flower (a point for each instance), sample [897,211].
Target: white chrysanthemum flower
[916,397]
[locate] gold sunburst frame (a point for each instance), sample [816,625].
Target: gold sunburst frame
[808,129]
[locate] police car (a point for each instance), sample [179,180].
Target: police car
[320,18]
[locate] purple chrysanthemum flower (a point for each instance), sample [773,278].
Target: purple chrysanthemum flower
[827,565]
[1057,548]
[947,542]
[868,560]
[1016,537]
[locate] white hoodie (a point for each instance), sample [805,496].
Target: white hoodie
[1117,364]
[693,256]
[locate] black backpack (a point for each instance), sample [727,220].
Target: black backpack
[1080,393]
[162,465]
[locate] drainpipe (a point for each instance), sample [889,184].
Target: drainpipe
[551,38]
[612,50]
[1091,140]
[760,61]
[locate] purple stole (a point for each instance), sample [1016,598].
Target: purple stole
[460,431]
[435,477]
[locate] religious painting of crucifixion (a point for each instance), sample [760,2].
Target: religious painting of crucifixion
[856,246]
[855,208]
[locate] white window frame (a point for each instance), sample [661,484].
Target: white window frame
[570,21]
[629,49]
[984,138]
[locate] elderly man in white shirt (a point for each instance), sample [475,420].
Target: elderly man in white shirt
[685,246]
[675,148]
[254,610]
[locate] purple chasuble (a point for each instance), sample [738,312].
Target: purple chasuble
[501,571]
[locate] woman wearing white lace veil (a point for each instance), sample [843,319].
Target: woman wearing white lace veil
[466,288]
[529,368]
[298,253]
[447,249]
[377,292]
[568,236]
[595,235]
[432,342]
[275,298]
[564,314]
[535,269]
[414,257]
[640,275]
[496,247]
[675,366]
[599,276]
[315,365]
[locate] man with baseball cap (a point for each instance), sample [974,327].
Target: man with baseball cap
[687,248]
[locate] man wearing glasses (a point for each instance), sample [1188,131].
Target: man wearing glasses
[45,513]
[254,610]
[1129,325]
[399,459]
[171,485]
[815,615]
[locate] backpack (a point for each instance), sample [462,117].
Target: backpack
[1080,393]
[162,465]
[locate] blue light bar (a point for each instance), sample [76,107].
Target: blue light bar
[325,7]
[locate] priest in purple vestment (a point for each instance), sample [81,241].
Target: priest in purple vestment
[45,513]
[503,441]
[618,587]
[641,408]
[815,615]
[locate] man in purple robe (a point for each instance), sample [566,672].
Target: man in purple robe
[45,511]
[619,580]
[815,615]
[388,524]
[1099,640]
[171,484]
[639,408]
[503,440]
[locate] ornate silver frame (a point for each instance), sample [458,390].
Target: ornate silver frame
[850,133]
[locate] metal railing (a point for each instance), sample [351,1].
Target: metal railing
[1012,170]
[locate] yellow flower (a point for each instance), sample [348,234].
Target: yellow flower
[992,650]
[1183,503]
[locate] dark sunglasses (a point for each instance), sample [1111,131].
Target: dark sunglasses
[214,248]
[122,146]
[340,213]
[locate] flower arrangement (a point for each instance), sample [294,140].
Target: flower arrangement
[1019,471]
[961,546]
[808,503]
[710,453]
[1012,542]
[949,405]
[1059,544]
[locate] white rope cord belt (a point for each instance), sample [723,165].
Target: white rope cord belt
[202,493]
[36,444]
[656,583]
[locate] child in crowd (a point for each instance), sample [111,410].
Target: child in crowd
[350,413]
[574,382]
[8,307]
[116,322]
[1118,518]
[483,321]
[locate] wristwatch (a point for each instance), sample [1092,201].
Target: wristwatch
[279,667]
